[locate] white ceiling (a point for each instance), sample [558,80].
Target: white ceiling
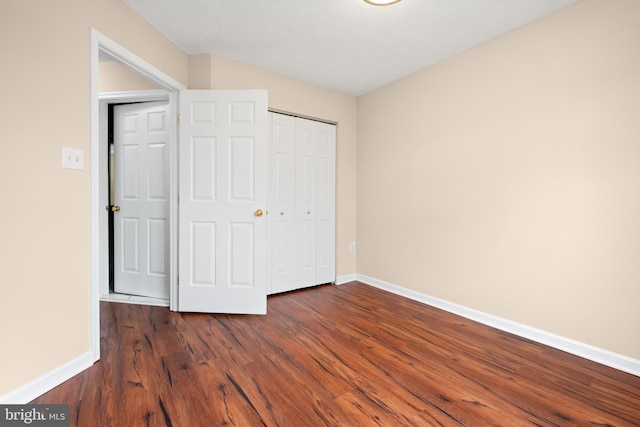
[345,45]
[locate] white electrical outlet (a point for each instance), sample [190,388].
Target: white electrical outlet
[72,158]
[352,247]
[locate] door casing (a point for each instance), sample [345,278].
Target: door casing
[99,252]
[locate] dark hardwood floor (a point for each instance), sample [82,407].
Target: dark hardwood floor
[348,355]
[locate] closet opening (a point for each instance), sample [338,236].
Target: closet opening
[300,203]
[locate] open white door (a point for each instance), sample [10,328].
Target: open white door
[141,199]
[222,207]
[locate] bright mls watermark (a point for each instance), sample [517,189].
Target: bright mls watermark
[34,415]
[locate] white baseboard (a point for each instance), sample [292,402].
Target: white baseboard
[586,351]
[341,280]
[46,382]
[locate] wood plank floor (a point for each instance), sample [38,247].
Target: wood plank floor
[348,355]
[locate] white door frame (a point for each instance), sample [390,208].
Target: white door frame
[104,100]
[102,45]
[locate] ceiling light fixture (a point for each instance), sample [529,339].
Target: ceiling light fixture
[381,2]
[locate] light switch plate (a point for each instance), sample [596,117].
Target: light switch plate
[72,158]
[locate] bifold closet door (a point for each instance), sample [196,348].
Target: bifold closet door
[325,210]
[281,225]
[306,198]
[302,202]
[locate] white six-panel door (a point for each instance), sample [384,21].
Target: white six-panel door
[222,207]
[141,226]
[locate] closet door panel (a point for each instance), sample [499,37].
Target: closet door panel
[282,208]
[325,203]
[306,199]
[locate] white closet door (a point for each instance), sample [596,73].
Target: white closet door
[282,208]
[306,193]
[302,203]
[325,203]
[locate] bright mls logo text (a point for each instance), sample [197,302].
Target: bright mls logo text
[39,415]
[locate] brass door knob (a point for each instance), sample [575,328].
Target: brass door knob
[258,212]
[115,208]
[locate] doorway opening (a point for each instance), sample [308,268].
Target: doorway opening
[137,271]
[104,49]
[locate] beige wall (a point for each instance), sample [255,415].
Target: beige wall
[294,96]
[44,248]
[507,179]
[114,77]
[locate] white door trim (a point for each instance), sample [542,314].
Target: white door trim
[102,45]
